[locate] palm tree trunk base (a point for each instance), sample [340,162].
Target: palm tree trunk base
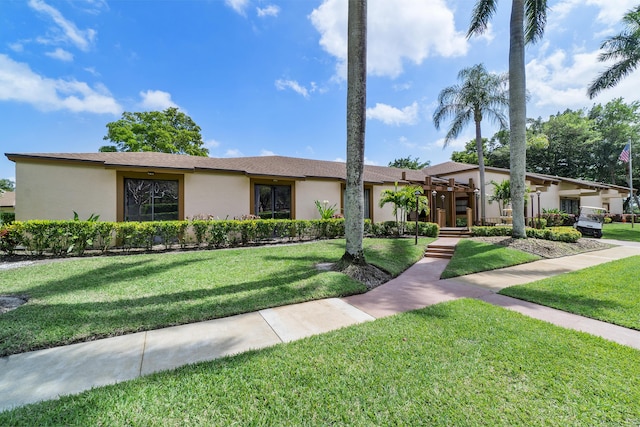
[358,269]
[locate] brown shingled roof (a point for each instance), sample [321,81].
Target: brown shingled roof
[7,199]
[289,167]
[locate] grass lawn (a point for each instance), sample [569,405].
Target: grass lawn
[608,292]
[472,257]
[459,363]
[83,299]
[621,231]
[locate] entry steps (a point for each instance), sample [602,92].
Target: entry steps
[459,232]
[439,251]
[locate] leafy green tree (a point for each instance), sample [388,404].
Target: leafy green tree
[7,185]
[617,123]
[480,94]
[569,152]
[528,18]
[409,163]
[168,131]
[624,48]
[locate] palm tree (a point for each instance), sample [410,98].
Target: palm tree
[480,94]
[528,18]
[356,114]
[624,48]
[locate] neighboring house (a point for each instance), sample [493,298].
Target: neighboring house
[566,194]
[7,201]
[155,186]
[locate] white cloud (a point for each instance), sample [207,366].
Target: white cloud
[560,80]
[609,12]
[156,100]
[211,143]
[16,47]
[19,83]
[394,116]
[399,31]
[234,152]
[271,10]
[265,153]
[61,55]
[455,144]
[92,71]
[82,39]
[282,84]
[239,6]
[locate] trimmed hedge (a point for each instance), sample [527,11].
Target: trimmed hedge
[558,234]
[60,238]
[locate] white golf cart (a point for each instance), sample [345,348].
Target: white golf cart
[590,221]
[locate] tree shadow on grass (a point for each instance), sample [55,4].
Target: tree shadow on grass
[40,324]
[595,308]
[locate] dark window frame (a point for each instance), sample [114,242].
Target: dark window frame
[121,192]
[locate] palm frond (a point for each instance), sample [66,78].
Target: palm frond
[535,20]
[612,76]
[459,122]
[481,15]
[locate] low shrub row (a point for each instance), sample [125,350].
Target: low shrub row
[558,234]
[59,238]
[559,219]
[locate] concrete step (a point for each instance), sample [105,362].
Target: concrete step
[454,232]
[439,251]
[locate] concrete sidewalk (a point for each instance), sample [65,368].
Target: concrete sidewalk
[46,374]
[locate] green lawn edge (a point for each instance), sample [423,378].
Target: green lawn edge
[85,299]
[609,292]
[473,257]
[463,362]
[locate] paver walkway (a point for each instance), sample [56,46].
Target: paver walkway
[46,374]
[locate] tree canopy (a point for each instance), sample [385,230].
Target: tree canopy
[409,163]
[581,144]
[7,185]
[168,131]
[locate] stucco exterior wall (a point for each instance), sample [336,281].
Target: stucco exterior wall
[384,213]
[595,201]
[54,191]
[616,205]
[219,195]
[307,192]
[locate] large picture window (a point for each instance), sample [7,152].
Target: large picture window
[150,200]
[272,201]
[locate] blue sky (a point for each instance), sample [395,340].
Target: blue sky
[264,77]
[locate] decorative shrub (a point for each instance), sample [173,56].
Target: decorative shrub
[560,234]
[10,237]
[7,217]
[60,238]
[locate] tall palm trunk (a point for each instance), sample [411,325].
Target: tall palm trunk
[517,117]
[480,150]
[356,117]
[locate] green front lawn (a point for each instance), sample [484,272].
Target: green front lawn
[621,231]
[84,299]
[462,363]
[472,257]
[609,292]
